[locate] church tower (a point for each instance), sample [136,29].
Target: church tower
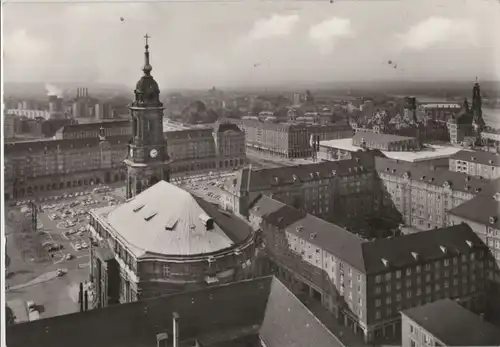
[477,112]
[147,159]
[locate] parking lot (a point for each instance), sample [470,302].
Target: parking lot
[209,188]
[60,242]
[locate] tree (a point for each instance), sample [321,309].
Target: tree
[10,317]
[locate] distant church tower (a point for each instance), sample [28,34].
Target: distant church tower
[147,159]
[477,112]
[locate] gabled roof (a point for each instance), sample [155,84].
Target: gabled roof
[188,134]
[215,315]
[482,209]
[456,180]
[453,324]
[369,256]
[399,252]
[113,123]
[263,179]
[165,219]
[332,238]
[481,157]
[265,205]
[34,146]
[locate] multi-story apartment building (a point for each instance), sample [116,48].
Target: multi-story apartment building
[145,249]
[341,191]
[85,154]
[286,139]
[367,283]
[446,323]
[482,214]
[385,142]
[420,195]
[476,163]
[37,166]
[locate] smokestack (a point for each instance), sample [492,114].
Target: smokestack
[175,321]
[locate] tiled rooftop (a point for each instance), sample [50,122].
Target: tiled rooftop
[481,157]
[52,144]
[261,306]
[453,324]
[378,255]
[483,209]
[456,180]
[379,138]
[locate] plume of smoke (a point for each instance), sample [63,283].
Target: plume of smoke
[53,90]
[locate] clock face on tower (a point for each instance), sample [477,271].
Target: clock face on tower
[153,153]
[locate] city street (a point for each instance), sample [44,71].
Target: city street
[33,279]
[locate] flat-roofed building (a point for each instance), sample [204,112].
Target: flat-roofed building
[446,323]
[340,149]
[288,140]
[385,142]
[164,241]
[476,163]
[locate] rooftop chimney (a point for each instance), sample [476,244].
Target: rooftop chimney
[175,321]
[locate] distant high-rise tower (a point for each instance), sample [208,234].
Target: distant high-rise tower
[147,161]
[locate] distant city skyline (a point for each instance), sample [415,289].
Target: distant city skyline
[198,45]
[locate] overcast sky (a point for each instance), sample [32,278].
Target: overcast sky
[199,44]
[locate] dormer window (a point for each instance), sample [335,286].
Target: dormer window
[138,208]
[414,255]
[387,169]
[493,219]
[207,221]
[443,249]
[467,178]
[334,172]
[393,170]
[473,158]
[295,178]
[313,236]
[276,180]
[299,229]
[150,216]
[469,243]
[491,162]
[478,190]
[467,187]
[422,178]
[385,262]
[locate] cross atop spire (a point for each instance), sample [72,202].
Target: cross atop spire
[147,67]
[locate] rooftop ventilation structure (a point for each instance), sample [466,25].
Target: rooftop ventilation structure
[138,208]
[150,216]
[207,221]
